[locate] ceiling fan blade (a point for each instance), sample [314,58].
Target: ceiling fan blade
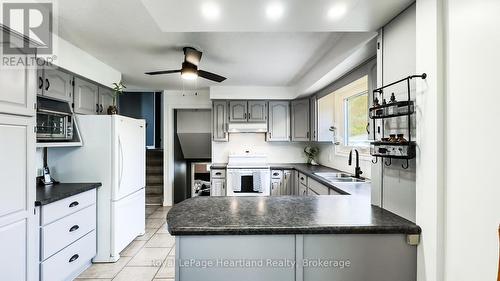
[211,76]
[192,55]
[163,72]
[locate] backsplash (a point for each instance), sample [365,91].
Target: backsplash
[277,152]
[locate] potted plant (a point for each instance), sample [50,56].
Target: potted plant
[311,153]
[117,91]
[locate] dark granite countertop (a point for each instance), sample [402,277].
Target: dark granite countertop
[284,215]
[361,189]
[51,193]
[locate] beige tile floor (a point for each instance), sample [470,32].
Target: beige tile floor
[148,257]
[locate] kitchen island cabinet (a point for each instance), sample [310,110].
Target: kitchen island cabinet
[291,238]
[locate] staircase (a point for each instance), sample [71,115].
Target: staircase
[154,177]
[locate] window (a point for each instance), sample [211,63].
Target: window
[351,117]
[356,119]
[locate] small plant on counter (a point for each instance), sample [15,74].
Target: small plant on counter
[117,91]
[311,153]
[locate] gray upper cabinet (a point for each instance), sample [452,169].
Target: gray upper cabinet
[105,99]
[238,111]
[86,97]
[300,120]
[313,102]
[257,111]
[219,121]
[55,83]
[279,121]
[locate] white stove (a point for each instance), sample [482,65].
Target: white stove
[248,175]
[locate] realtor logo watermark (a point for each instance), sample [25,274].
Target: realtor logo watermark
[30,20]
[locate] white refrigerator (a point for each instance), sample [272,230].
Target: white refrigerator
[113,153]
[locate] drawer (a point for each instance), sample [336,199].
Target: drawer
[276,174]
[303,179]
[66,206]
[67,230]
[69,262]
[218,174]
[317,187]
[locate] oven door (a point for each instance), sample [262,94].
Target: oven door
[51,126]
[243,182]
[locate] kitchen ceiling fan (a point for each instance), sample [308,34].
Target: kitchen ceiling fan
[190,69]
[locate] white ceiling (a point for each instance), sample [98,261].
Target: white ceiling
[126,36]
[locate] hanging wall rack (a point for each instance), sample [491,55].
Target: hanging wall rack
[392,148]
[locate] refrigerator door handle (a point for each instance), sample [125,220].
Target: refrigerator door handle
[120,161]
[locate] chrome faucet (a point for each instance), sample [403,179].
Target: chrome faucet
[357,170]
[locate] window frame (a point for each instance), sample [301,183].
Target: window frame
[341,95]
[346,118]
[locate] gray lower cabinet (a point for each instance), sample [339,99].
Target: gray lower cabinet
[219,121]
[238,111]
[218,182]
[257,111]
[55,83]
[300,120]
[276,185]
[287,182]
[105,100]
[279,121]
[86,97]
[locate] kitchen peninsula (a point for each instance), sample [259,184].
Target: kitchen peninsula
[331,237]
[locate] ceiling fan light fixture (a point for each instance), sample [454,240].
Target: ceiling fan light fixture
[189,71]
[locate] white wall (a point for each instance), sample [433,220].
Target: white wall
[177,100]
[277,152]
[252,92]
[472,192]
[82,63]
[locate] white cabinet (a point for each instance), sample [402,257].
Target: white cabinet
[219,121]
[300,120]
[55,83]
[325,118]
[287,182]
[18,233]
[218,182]
[313,102]
[302,190]
[279,121]
[86,97]
[17,90]
[68,236]
[105,100]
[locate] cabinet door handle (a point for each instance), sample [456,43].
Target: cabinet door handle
[97,107]
[74,228]
[102,108]
[74,258]
[40,83]
[73,204]
[48,84]
[249,115]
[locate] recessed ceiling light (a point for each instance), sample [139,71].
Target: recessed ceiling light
[210,10]
[337,11]
[274,11]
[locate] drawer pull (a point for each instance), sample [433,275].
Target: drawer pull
[218,173]
[74,228]
[74,258]
[301,178]
[73,204]
[275,174]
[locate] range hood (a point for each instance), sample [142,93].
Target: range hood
[247,128]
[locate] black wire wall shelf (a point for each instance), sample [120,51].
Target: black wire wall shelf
[391,148]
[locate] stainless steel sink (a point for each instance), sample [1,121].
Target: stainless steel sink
[338,177]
